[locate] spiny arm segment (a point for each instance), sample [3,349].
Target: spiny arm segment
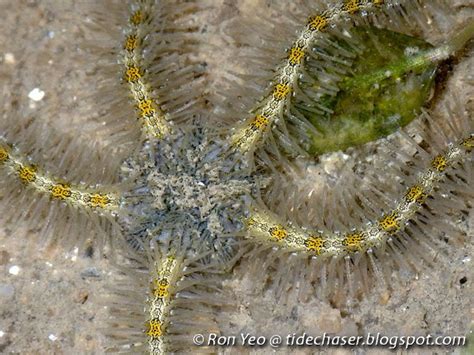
[160,303]
[30,176]
[265,227]
[246,137]
[152,118]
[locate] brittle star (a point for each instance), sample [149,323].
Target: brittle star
[191,187]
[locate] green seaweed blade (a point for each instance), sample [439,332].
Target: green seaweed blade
[390,81]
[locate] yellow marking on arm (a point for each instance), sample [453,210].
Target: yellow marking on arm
[315,244]
[161,288]
[296,55]
[132,74]
[389,223]
[61,191]
[247,135]
[146,107]
[154,328]
[416,193]
[131,43]
[468,143]
[136,18]
[278,232]
[318,22]
[250,221]
[260,122]
[439,163]
[27,174]
[352,6]
[353,241]
[281,91]
[4,155]
[99,200]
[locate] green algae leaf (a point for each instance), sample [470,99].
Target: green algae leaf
[391,78]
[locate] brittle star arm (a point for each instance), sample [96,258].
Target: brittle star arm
[153,119]
[265,226]
[106,203]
